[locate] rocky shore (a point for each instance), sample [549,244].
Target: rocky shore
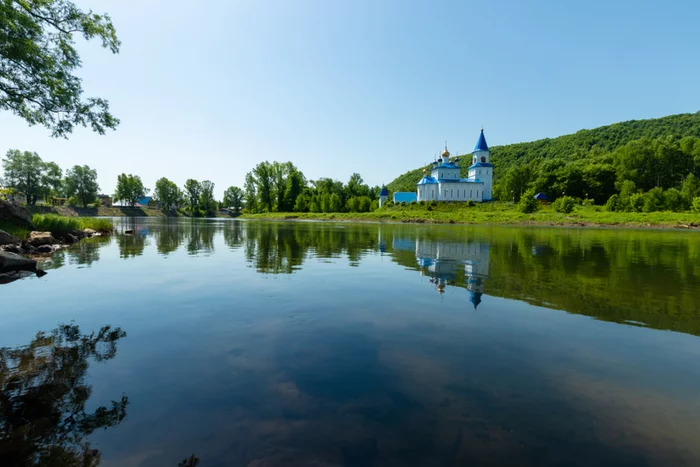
[18,257]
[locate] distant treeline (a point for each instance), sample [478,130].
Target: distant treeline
[661,156]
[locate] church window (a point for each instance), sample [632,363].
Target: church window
[471,193]
[483,158]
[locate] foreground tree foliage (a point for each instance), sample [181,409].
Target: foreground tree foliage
[43,395]
[38,60]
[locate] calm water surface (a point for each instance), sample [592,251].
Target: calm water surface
[316,344]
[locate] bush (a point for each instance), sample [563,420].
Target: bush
[471,203]
[565,204]
[433,203]
[528,204]
[421,202]
[654,200]
[636,203]
[613,203]
[674,200]
[695,207]
[403,203]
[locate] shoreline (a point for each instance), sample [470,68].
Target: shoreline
[541,220]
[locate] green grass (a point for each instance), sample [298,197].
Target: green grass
[61,225]
[13,229]
[501,213]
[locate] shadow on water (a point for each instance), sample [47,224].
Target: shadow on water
[43,394]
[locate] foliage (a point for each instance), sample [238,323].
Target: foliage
[26,172]
[130,189]
[168,194]
[193,191]
[38,60]
[206,198]
[613,203]
[233,198]
[44,395]
[565,204]
[695,207]
[61,225]
[528,204]
[81,182]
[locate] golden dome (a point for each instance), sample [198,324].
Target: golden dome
[445,153]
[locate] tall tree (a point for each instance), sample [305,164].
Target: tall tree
[250,193]
[233,198]
[130,189]
[206,198]
[167,194]
[193,189]
[81,183]
[24,172]
[262,176]
[52,180]
[38,60]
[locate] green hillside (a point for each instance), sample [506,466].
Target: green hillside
[584,145]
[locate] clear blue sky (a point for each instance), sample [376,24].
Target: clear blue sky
[206,90]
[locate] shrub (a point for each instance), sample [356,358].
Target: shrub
[471,203]
[654,200]
[433,203]
[695,207]
[403,203]
[565,204]
[422,202]
[674,200]
[528,204]
[613,203]
[636,203]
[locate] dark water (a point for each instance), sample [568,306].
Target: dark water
[307,344]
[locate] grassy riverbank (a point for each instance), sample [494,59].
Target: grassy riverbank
[502,213]
[114,211]
[61,225]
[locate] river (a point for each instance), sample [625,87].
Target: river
[251,343]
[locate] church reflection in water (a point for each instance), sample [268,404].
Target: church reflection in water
[460,264]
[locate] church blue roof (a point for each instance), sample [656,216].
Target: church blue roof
[481,144]
[446,165]
[480,164]
[426,180]
[384,192]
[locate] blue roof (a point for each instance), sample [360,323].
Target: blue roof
[406,196]
[480,164]
[144,201]
[426,180]
[446,165]
[481,144]
[542,197]
[384,192]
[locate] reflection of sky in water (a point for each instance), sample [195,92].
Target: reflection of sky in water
[367,366]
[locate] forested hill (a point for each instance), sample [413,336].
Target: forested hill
[580,145]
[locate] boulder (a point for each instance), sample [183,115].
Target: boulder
[12,248]
[70,239]
[89,232]
[7,239]
[10,262]
[41,238]
[16,215]
[44,249]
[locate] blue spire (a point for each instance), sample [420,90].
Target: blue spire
[384,192]
[481,144]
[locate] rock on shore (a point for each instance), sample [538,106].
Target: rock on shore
[12,262]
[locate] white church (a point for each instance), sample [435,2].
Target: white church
[444,182]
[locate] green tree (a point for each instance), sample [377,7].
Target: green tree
[528,204]
[44,396]
[263,179]
[233,198]
[250,193]
[335,204]
[24,172]
[695,207]
[38,60]
[52,180]
[206,198]
[167,193]
[130,189]
[565,204]
[691,187]
[81,183]
[295,185]
[193,190]
[654,200]
[674,201]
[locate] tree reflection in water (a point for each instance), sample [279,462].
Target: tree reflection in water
[43,393]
